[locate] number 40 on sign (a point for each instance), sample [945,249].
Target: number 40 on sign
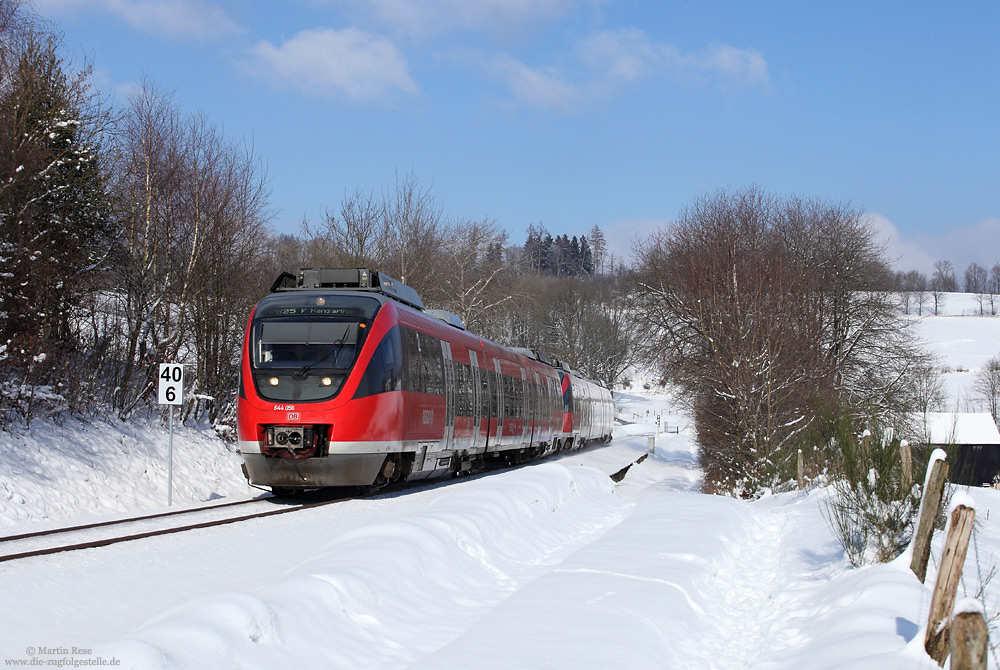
[171,384]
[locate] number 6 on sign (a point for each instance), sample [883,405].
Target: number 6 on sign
[171,384]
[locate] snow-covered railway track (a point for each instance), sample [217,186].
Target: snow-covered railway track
[104,533]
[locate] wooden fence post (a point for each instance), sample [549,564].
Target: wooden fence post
[930,506]
[801,466]
[906,456]
[970,639]
[943,601]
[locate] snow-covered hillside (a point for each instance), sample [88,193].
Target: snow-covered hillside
[552,565]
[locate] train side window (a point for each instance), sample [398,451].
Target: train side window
[467,391]
[385,369]
[414,372]
[461,389]
[433,360]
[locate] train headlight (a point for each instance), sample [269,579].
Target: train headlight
[273,381]
[325,381]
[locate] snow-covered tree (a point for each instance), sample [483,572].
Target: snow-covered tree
[55,223]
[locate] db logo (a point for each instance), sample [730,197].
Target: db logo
[293,416]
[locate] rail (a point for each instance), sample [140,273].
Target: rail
[128,537]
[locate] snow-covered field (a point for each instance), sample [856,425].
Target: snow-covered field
[552,565]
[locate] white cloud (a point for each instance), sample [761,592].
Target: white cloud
[623,235]
[904,254]
[628,54]
[426,18]
[978,242]
[614,59]
[330,63]
[623,55]
[191,19]
[745,67]
[534,87]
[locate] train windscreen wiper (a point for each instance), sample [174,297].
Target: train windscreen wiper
[332,351]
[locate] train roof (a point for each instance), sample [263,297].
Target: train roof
[348,279]
[374,281]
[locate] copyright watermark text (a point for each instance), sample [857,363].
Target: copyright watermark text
[60,657]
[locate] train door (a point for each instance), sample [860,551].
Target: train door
[523,409]
[501,406]
[486,399]
[537,415]
[449,395]
[477,410]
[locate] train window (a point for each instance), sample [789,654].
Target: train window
[432,362]
[463,379]
[414,379]
[385,370]
[424,363]
[291,344]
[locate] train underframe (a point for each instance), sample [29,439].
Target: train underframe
[374,469]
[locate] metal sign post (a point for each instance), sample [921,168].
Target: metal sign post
[171,392]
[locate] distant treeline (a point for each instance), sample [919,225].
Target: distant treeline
[919,292]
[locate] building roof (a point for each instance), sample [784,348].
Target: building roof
[959,428]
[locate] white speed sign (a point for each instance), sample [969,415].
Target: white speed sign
[171,384]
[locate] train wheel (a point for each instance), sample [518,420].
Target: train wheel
[283,490]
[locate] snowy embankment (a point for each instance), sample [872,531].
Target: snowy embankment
[80,469]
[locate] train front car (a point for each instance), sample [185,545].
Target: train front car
[307,414]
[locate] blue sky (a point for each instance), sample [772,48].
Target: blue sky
[576,113]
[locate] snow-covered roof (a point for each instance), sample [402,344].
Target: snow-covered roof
[960,428]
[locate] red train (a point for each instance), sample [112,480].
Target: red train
[346,380]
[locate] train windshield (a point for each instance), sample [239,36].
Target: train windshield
[302,347]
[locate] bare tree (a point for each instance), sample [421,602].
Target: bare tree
[225,281]
[147,175]
[912,286]
[942,282]
[476,283]
[356,238]
[191,211]
[402,233]
[976,282]
[993,287]
[766,314]
[929,393]
[987,386]
[415,235]
[717,287]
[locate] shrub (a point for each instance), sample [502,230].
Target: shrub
[871,508]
